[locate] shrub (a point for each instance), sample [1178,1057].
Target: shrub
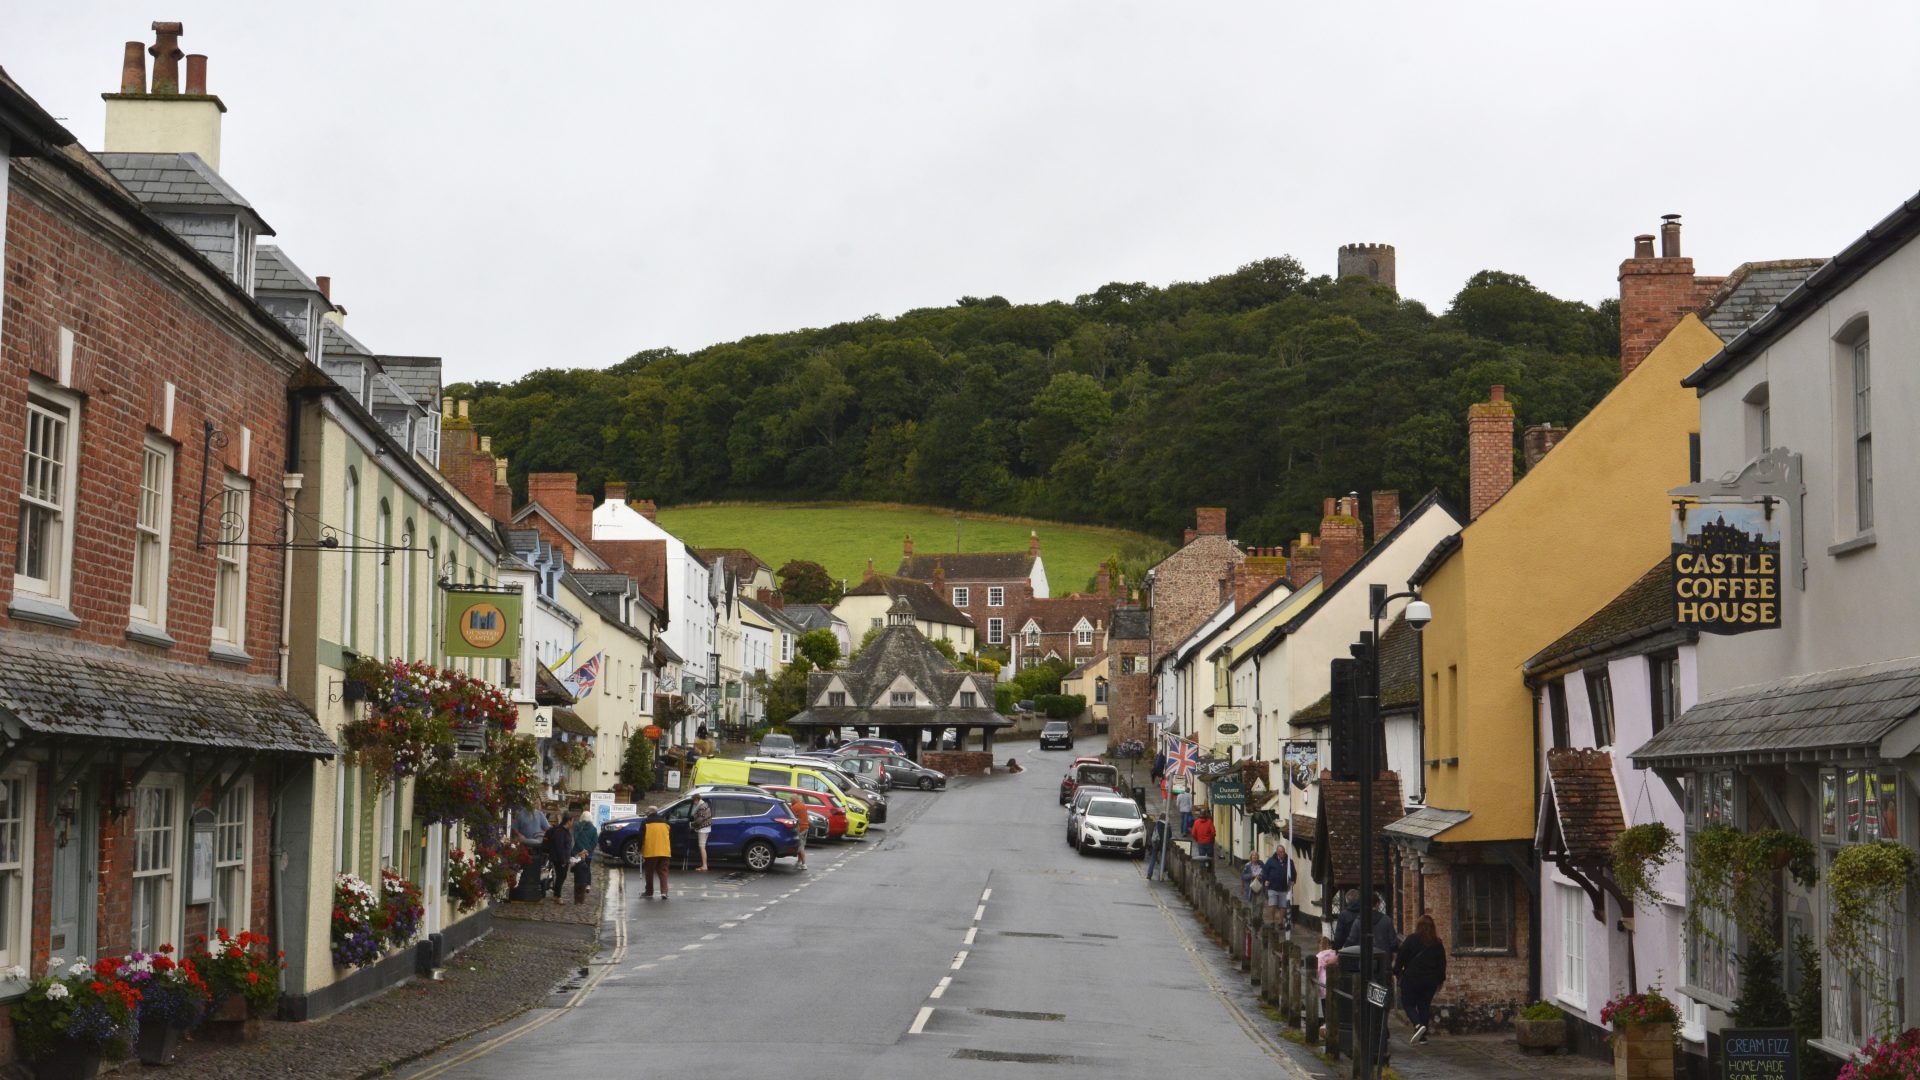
[1542,1010]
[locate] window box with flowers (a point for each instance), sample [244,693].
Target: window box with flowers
[68,1022]
[1644,1036]
[243,975]
[174,999]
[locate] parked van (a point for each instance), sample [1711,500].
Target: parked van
[781,772]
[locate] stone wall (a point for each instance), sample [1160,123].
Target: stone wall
[958,762]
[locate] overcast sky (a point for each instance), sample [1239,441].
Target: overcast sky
[513,186]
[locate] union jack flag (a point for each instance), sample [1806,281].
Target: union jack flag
[1182,757]
[585,676]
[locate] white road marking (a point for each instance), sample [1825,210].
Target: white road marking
[708,937]
[986,895]
[920,1022]
[687,948]
[669,956]
[960,959]
[728,925]
[979,913]
[971,930]
[643,967]
[940,990]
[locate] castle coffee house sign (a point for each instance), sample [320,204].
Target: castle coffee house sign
[1726,567]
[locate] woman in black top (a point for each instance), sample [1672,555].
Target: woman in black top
[1422,968]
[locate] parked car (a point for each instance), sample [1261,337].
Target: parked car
[862,810]
[865,768]
[754,828]
[869,745]
[827,814]
[777,745]
[909,773]
[1056,735]
[1088,771]
[825,778]
[1112,823]
[1081,798]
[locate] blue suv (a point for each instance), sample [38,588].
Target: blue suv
[755,829]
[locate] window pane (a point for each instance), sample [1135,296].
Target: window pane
[1829,803]
[1889,806]
[1854,798]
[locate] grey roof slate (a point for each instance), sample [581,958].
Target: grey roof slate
[166,179]
[334,339]
[810,616]
[1752,290]
[418,376]
[1423,824]
[927,604]
[1846,712]
[274,272]
[388,394]
[898,651]
[965,566]
[75,694]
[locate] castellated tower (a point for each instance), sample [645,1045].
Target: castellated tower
[1371,261]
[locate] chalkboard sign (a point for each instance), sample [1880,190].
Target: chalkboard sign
[1759,1054]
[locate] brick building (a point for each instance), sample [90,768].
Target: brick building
[140,638]
[987,586]
[1184,588]
[1130,687]
[1070,628]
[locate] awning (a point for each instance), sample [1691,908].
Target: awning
[548,689]
[1420,828]
[46,694]
[1580,817]
[1859,713]
[565,719]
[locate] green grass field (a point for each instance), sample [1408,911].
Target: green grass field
[843,536]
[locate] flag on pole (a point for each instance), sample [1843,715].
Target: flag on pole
[1182,758]
[585,676]
[560,661]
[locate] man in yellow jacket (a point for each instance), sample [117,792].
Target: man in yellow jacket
[656,851]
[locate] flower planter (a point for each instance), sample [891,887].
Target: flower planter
[229,1021]
[1541,1036]
[72,1061]
[158,1040]
[1643,1052]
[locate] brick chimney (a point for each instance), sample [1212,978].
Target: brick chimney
[1386,513]
[165,119]
[616,491]
[1657,292]
[773,599]
[502,491]
[1103,582]
[1033,544]
[939,577]
[1304,561]
[1489,451]
[1121,592]
[649,510]
[558,493]
[869,574]
[466,459]
[1251,576]
[1210,521]
[1539,439]
[1342,540]
[906,547]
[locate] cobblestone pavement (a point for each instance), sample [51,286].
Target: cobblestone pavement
[531,951]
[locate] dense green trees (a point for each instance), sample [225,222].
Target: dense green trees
[803,581]
[1261,390]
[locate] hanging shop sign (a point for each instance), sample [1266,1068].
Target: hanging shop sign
[543,722]
[483,624]
[1302,763]
[1228,791]
[1726,567]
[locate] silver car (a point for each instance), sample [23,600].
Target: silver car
[1110,823]
[1083,795]
[776,746]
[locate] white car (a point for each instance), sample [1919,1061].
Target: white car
[776,746]
[1112,823]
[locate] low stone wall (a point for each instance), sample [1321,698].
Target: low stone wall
[958,762]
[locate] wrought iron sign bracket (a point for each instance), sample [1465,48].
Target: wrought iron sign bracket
[1777,474]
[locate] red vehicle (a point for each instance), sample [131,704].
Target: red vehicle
[819,805]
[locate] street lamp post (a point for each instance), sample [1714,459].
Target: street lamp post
[1418,615]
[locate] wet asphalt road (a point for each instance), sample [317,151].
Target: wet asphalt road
[963,939]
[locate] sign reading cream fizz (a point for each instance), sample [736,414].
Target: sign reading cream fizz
[483,624]
[1726,567]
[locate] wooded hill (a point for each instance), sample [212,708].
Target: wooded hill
[1261,390]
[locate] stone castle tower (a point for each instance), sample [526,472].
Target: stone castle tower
[1371,261]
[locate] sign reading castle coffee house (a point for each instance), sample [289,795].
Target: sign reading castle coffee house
[1726,567]
[483,624]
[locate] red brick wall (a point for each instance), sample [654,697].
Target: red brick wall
[1489,451]
[133,333]
[1481,992]
[1129,697]
[1655,294]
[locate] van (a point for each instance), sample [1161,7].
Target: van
[780,772]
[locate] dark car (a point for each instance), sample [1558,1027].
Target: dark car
[753,828]
[1056,735]
[908,773]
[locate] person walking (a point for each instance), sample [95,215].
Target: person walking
[1250,878]
[586,837]
[530,828]
[559,849]
[802,824]
[656,851]
[1156,837]
[1421,967]
[1183,804]
[702,825]
[1202,833]
[1277,876]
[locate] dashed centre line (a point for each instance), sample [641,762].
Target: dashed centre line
[920,1021]
[979,913]
[971,930]
[986,895]
[960,959]
[941,989]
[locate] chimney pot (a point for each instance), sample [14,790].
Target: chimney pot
[197,73]
[1643,246]
[133,68]
[486,444]
[166,57]
[1669,236]
[616,491]
[463,408]
[906,546]
[1498,393]
[1489,452]
[326,286]
[446,407]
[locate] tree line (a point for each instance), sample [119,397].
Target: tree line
[1262,390]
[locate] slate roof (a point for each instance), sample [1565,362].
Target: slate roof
[1060,614]
[969,566]
[899,651]
[928,605]
[389,394]
[273,271]
[166,179]
[75,694]
[1846,712]
[1131,624]
[335,339]
[417,376]
[1399,675]
[1336,833]
[740,562]
[1643,610]
[1582,806]
[1425,823]
[770,613]
[1752,290]
[810,616]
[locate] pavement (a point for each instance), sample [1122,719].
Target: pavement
[963,939]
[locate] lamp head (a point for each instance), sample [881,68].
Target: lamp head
[1419,614]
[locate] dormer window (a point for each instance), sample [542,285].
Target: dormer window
[836,698]
[901,699]
[969,699]
[1033,637]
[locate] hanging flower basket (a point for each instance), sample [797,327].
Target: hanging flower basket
[1638,854]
